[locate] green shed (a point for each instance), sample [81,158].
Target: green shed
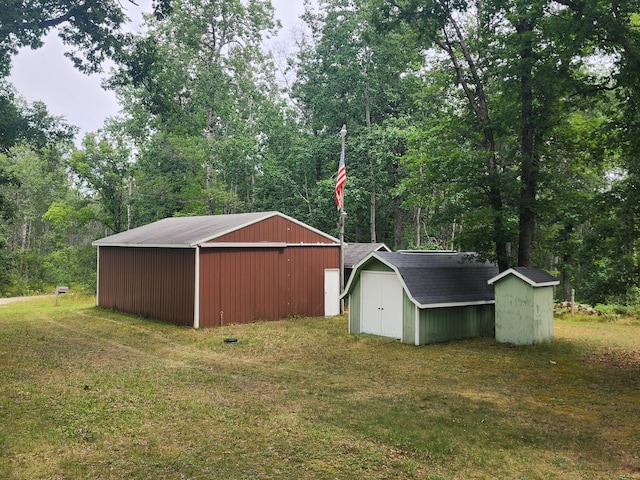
[524,305]
[421,297]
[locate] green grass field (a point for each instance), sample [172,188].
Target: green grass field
[89,393]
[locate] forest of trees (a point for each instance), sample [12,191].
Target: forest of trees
[506,128]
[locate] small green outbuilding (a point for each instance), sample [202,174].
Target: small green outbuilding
[524,305]
[421,297]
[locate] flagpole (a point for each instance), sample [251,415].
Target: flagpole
[343,215]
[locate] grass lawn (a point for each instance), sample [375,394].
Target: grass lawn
[89,393]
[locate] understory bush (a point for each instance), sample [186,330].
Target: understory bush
[30,273]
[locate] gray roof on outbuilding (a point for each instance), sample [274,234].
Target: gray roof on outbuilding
[535,277]
[187,232]
[354,252]
[435,279]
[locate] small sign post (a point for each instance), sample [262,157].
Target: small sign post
[60,290]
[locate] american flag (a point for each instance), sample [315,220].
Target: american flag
[340,181]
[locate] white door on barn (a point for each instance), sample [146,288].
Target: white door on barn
[381,299]
[331,292]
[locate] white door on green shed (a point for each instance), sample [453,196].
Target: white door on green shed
[381,298]
[331,292]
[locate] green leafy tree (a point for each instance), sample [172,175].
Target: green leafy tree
[41,179]
[169,181]
[69,219]
[24,124]
[8,181]
[200,74]
[102,167]
[12,122]
[92,28]
[517,66]
[347,73]
[33,169]
[32,175]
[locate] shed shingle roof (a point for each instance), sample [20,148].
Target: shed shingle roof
[533,276]
[188,232]
[441,279]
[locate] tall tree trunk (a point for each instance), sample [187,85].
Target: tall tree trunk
[475,94]
[129,212]
[418,226]
[567,259]
[397,227]
[372,165]
[209,201]
[495,200]
[251,190]
[319,159]
[530,163]
[454,227]
[372,214]
[210,159]
[566,278]
[26,235]
[213,60]
[359,222]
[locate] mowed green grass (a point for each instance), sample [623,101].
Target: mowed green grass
[89,393]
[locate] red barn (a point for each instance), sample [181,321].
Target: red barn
[214,270]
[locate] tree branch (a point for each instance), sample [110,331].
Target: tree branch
[447,47]
[54,22]
[576,7]
[473,69]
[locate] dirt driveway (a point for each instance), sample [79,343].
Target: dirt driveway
[4,301]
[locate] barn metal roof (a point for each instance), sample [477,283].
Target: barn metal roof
[533,276]
[438,279]
[354,252]
[188,232]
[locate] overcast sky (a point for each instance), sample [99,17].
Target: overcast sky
[45,74]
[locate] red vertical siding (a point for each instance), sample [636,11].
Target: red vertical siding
[250,284]
[154,282]
[274,229]
[307,266]
[243,284]
[236,285]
